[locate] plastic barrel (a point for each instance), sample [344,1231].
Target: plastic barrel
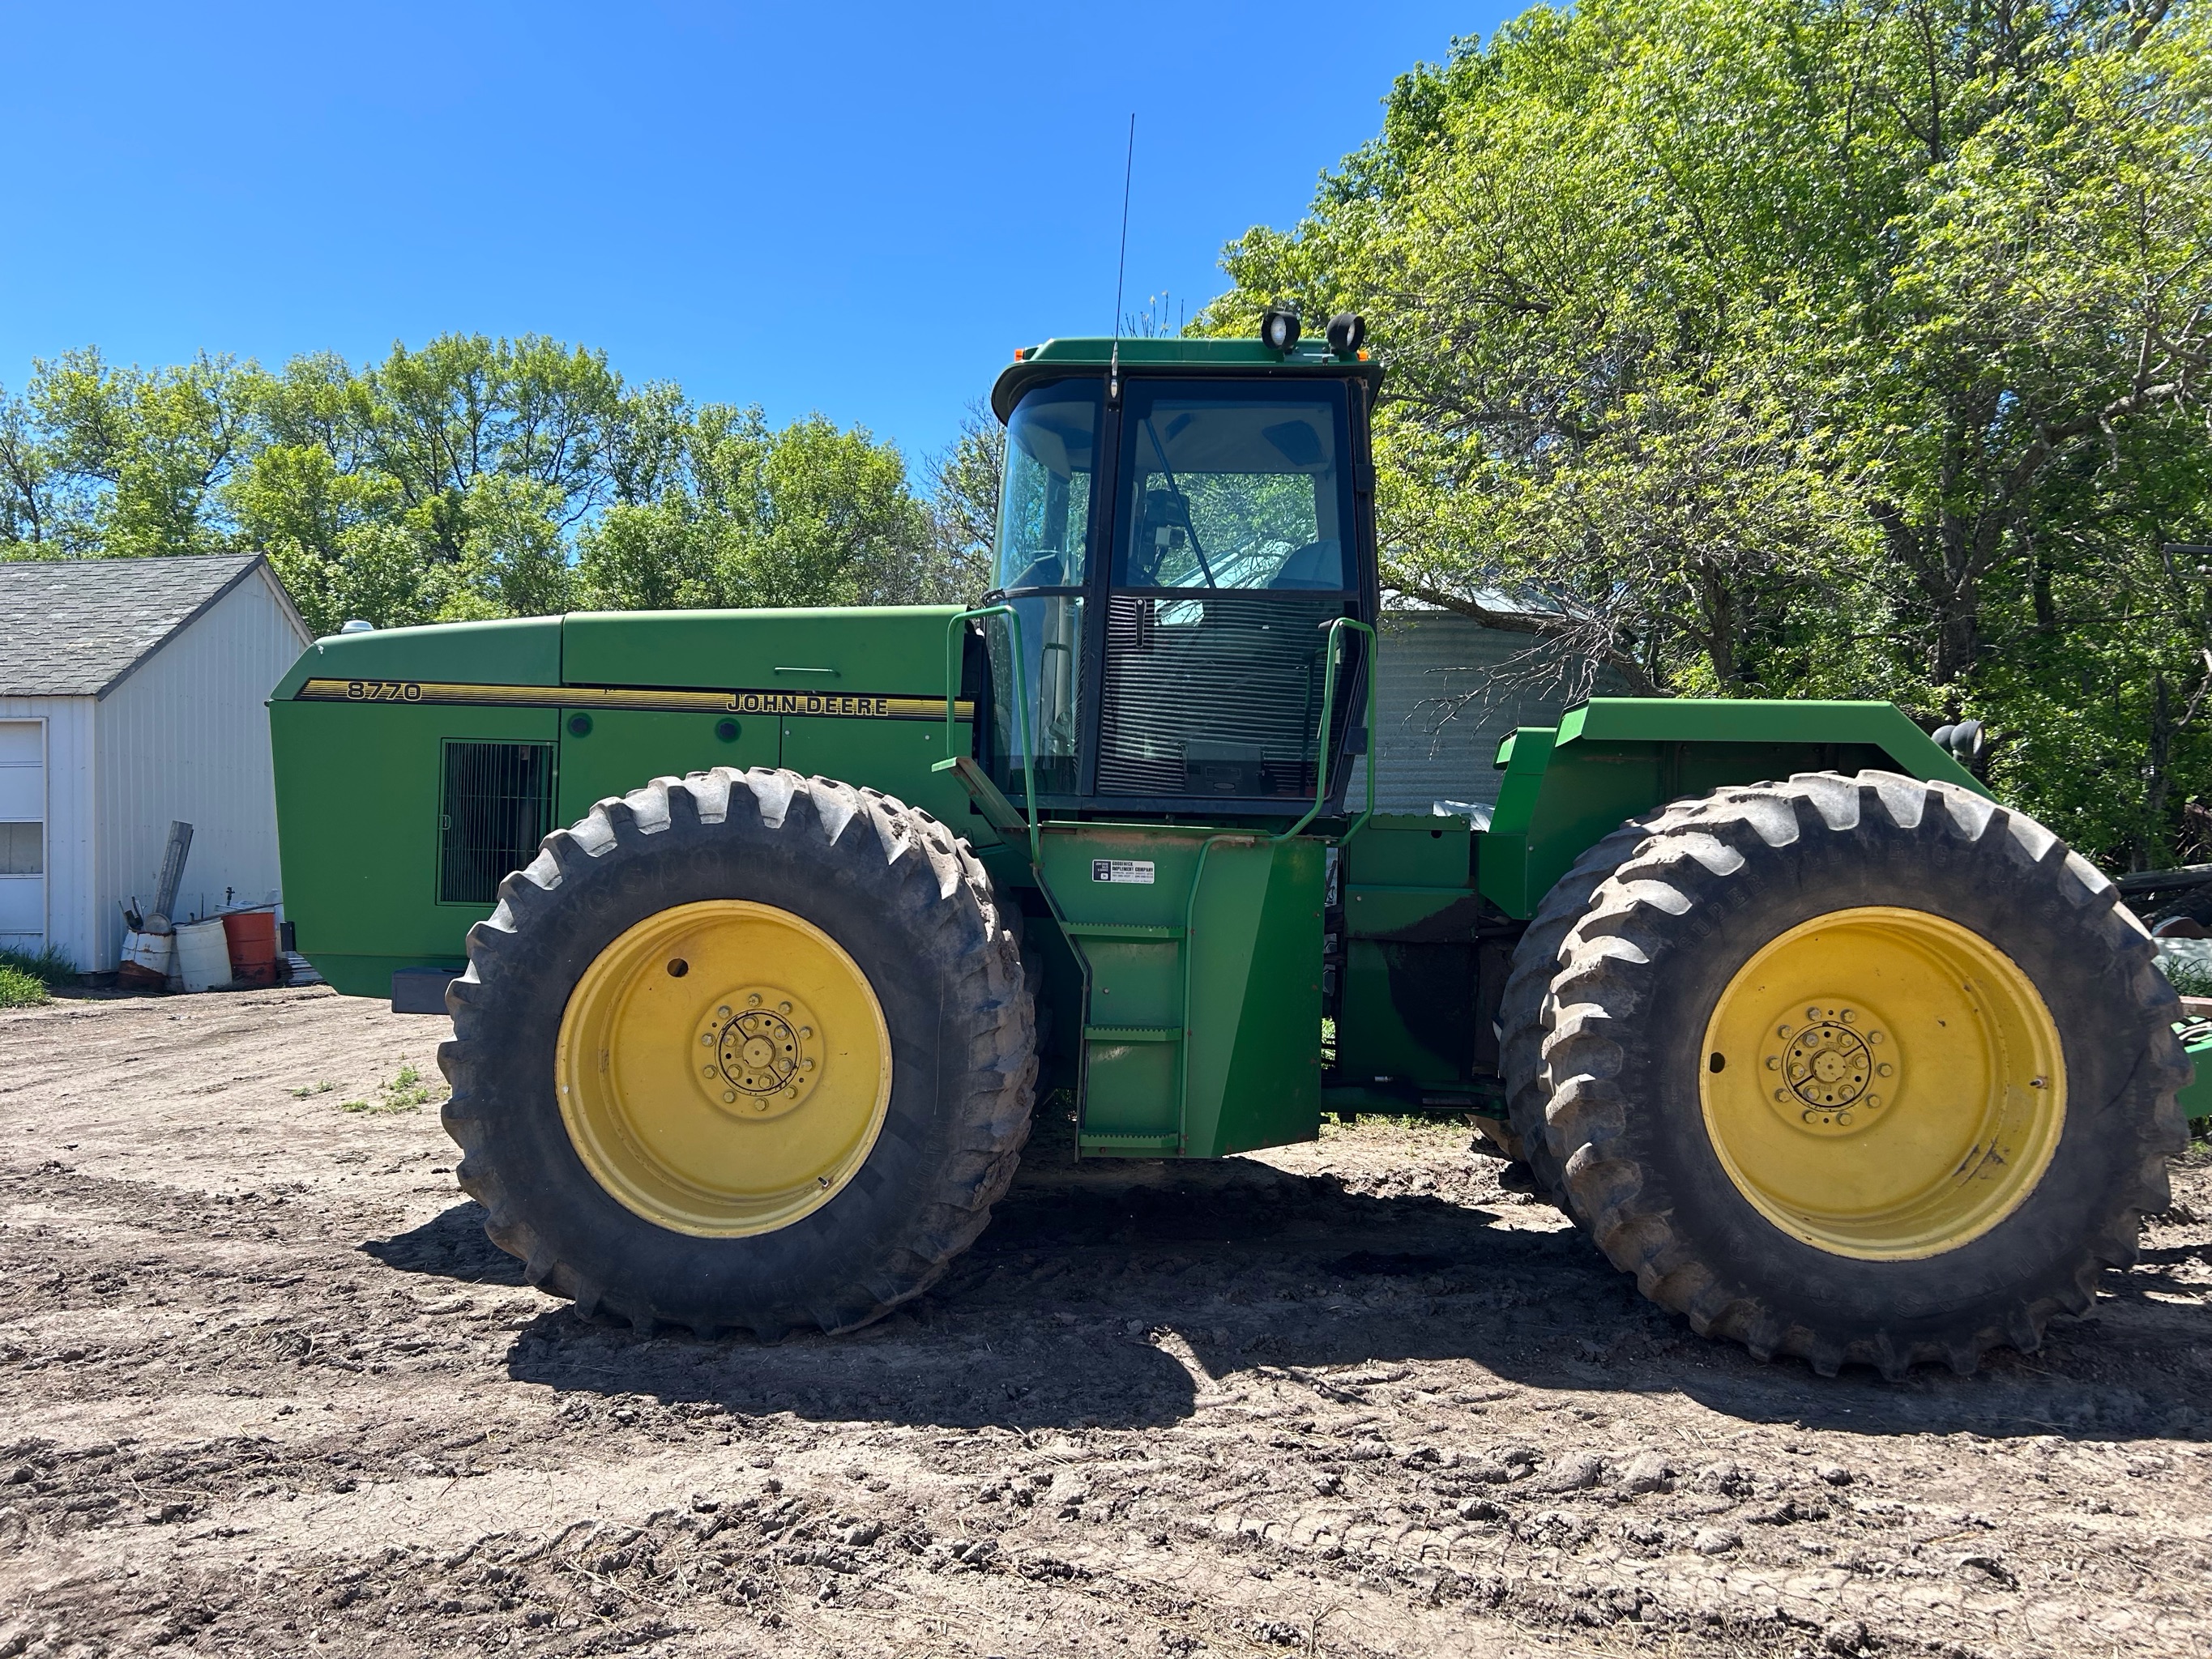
[202,955]
[251,938]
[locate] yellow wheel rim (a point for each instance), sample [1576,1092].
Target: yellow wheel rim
[723,1068]
[1883,1084]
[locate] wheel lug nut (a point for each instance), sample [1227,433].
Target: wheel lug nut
[729,1097]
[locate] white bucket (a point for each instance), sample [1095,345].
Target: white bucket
[153,954]
[202,955]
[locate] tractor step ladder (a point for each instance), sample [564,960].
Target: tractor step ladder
[1136,1020]
[1134,1032]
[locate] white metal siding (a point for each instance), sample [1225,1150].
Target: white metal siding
[1440,709]
[187,736]
[65,726]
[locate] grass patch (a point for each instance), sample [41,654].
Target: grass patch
[406,1092]
[19,989]
[1333,1124]
[49,967]
[2189,978]
[313,1089]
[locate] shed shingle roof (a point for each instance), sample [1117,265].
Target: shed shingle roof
[73,628]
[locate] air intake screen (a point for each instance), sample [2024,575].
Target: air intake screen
[498,806]
[1219,694]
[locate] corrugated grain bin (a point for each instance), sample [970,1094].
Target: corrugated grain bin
[251,936]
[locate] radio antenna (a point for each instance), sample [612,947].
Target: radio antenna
[1128,171]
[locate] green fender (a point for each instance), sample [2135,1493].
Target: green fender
[1614,758]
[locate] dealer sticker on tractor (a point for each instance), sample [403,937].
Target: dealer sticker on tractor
[1136,870]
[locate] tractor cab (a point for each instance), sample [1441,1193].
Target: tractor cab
[1183,526]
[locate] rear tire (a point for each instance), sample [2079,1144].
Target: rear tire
[2018,1148]
[1524,1011]
[927,962]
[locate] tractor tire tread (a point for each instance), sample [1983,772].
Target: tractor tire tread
[1523,1010]
[922,867]
[1682,860]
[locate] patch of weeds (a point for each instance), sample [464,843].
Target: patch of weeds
[1337,1124]
[406,1092]
[2188,976]
[49,967]
[19,989]
[313,1089]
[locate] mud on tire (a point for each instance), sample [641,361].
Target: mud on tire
[915,910]
[1705,884]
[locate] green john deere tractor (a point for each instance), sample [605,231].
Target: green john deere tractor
[770,927]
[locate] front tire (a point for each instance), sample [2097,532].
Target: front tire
[741,1050]
[1861,1070]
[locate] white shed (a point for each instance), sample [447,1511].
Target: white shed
[133,692]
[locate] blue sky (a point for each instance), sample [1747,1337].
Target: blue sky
[856,208]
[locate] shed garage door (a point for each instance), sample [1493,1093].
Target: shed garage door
[22,835]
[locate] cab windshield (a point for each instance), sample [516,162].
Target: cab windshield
[1231,486]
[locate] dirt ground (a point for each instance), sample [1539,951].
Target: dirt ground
[264,1388]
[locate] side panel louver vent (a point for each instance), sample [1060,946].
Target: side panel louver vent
[498,806]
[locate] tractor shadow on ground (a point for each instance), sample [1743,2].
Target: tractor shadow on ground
[450,1245]
[1118,1295]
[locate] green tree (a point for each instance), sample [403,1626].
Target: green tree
[964,506]
[375,571]
[466,407]
[656,556]
[1806,346]
[514,562]
[476,477]
[144,456]
[27,483]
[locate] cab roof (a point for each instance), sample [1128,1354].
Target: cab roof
[1234,357]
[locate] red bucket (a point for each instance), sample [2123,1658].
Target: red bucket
[251,938]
